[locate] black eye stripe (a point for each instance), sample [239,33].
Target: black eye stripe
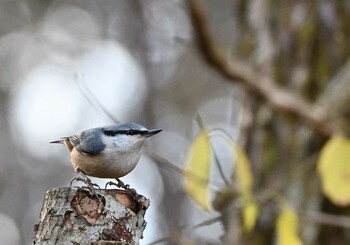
[109,132]
[127,132]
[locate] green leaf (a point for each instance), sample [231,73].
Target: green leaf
[334,170]
[198,170]
[250,214]
[287,228]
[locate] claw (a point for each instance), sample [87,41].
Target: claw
[76,178]
[95,185]
[121,184]
[110,183]
[88,182]
[126,187]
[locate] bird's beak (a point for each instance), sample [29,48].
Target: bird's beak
[151,132]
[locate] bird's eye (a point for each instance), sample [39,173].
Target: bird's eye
[131,132]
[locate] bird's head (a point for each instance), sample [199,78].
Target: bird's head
[126,136]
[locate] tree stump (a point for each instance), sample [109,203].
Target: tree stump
[74,216]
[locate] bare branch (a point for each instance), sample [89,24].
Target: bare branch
[280,99]
[325,219]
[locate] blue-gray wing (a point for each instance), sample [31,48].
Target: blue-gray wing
[88,142]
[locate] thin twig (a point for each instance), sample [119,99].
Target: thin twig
[280,183]
[221,171]
[161,161]
[325,219]
[280,99]
[201,124]
[316,217]
[180,229]
[89,96]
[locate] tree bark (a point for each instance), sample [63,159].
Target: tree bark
[73,216]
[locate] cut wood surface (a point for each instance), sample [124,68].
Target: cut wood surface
[73,216]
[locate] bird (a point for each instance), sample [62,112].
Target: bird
[107,152]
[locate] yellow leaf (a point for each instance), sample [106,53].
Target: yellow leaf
[334,169]
[250,214]
[244,179]
[198,170]
[287,228]
[243,172]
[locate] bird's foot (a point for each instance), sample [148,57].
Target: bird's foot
[110,183]
[91,186]
[120,184]
[76,178]
[126,187]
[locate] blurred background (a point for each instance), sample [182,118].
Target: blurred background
[140,61]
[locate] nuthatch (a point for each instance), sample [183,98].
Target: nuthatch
[107,152]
